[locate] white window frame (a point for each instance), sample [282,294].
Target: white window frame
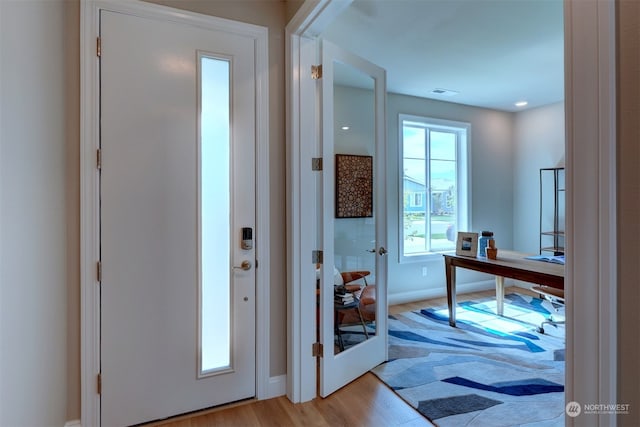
[463,172]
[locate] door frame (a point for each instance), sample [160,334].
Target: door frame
[303,207]
[89,188]
[590,145]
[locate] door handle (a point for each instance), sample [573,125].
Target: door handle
[382,251]
[245,265]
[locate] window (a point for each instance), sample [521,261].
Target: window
[433,183]
[416,200]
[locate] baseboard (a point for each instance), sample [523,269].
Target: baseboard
[277,386]
[521,284]
[405,297]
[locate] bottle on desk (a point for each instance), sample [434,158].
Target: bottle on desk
[486,240]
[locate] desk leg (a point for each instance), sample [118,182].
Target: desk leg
[500,294]
[450,271]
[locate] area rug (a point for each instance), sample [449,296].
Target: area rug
[488,371]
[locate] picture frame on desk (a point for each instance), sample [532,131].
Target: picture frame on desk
[467,244]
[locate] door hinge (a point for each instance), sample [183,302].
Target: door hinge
[99,384]
[317,257]
[99,159]
[99,47]
[316,72]
[317,350]
[316,164]
[99,271]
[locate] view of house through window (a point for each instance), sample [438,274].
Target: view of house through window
[434,184]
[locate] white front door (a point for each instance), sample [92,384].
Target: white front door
[177,217]
[354,223]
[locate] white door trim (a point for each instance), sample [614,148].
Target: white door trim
[302,211]
[89,190]
[303,144]
[591,274]
[590,124]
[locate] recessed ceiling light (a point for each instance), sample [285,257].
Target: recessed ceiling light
[345,128]
[521,103]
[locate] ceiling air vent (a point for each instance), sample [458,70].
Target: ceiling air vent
[444,92]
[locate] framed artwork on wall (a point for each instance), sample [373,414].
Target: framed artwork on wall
[354,186]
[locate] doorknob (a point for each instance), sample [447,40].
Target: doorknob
[245,265]
[382,251]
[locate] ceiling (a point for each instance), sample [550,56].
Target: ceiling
[492,53]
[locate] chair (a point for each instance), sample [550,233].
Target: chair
[556,297]
[366,295]
[359,313]
[363,310]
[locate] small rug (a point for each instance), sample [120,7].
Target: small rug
[488,371]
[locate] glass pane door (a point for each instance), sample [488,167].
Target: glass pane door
[354,240]
[352,291]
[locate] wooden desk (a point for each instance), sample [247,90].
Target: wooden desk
[509,264]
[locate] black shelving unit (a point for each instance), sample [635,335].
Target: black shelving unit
[552,210]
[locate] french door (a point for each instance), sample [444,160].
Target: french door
[177,217]
[353,213]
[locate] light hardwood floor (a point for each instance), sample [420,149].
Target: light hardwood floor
[366,402]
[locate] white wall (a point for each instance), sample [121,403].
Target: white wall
[33,281]
[539,136]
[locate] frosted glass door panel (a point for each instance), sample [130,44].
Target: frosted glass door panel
[215,234]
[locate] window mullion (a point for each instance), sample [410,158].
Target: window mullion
[427,195]
[458,178]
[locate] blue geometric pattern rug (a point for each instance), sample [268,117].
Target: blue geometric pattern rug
[488,371]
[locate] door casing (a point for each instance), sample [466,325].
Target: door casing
[89,189]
